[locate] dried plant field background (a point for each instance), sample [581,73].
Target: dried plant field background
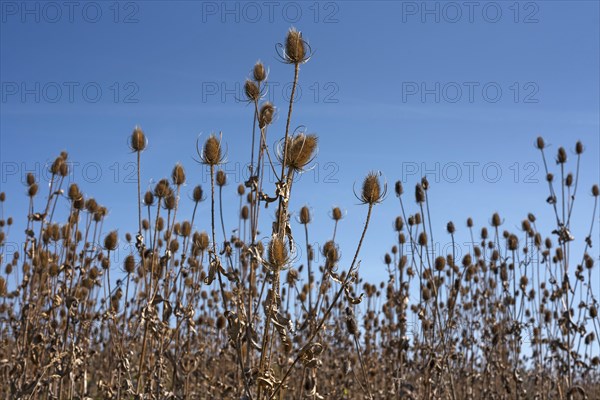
[201,307]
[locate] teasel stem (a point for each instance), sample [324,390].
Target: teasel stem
[330,308]
[214,243]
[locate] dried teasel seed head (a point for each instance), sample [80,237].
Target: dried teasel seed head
[398,188]
[138,139]
[244,213]
[371,189]
[241,189]
[221,178]
[56,165]
[593,311]
[387,259]
[148,198]
[595,191]
[251,90]
[129,264]
[469,222]
[304,215]
[211,154]
[295,47]
[578,148]
[74,192]
[450,227]
[496,221]
[31,192]
[513,242]
[440,263]
[202,241]
[111,241]
[419,193]
[424,183]
[197,194]
[561,156]
[399,224]
[259,72]
[422,240]
[569,180]
[178,175]
[277,253]
[30,179]
[540,143]
[330,251]
[266,114]
[300,151]
[336,214]
[162,189]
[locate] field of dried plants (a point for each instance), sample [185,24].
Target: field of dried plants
[196,312]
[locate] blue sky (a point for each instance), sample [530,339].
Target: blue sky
[446,89]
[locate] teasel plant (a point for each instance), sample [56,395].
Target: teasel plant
[203,305]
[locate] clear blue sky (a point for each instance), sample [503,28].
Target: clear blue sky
[453,91]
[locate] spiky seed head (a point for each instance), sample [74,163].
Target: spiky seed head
[513,242]
[450,227]
[371,189]
[351,325]
[330,251]
[221,178]
[111,241]
[241,190]
[561,156]
[186,228]
[578,148]
[30,179]
[259,72]
[540,143]
[2,197]
[251,90]
[197,194]
[569,180]
[138,139]
[496,221]
[162,189]
[55,167]
[277,253]
[202,241]
[178,175]
[148,198]
[265,116]
[467,260]
[387,259]
[419,193]
[595,191]
[129,264]
[300,150]
[295,47]
[74,192]
[422,239]
[399,224]
[398,188]
[31,192]
[440,263]
[304,215]
[424,183]
[336,214]
[244,213]
[484,233]
[212,151]
[418,219]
